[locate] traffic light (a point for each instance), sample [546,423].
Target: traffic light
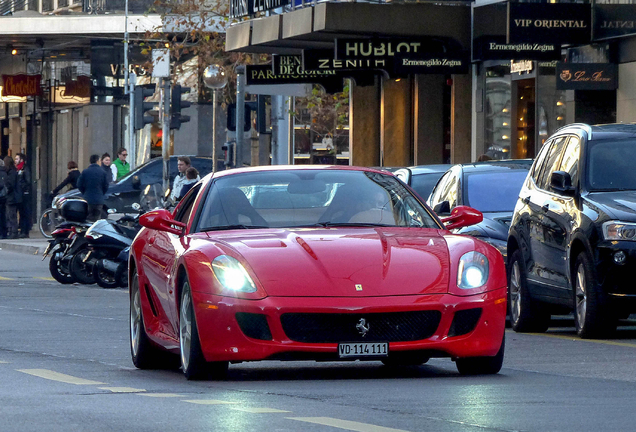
[231,117]
[141,107]
[176,105]
[228,153]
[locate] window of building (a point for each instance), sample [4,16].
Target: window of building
[497,111]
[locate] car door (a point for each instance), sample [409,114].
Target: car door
[544,267]
[559,221]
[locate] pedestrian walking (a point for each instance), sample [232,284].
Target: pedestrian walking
[3,201]
[120,163]
[14,197]
[107,165]
[24,208]
[93,183]
[71,178]
[191,175]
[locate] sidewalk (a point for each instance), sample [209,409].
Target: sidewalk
[35,245]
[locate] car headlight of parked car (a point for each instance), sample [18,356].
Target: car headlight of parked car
[472,271]
[232,275]
[616,230]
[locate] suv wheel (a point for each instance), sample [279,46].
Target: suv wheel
[525,313]
[591,316]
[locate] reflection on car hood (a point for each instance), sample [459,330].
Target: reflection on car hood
[495,225]
[344,262]
[620,205]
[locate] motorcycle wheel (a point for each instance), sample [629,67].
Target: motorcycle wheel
[104,278]
[57,270]
[82,271]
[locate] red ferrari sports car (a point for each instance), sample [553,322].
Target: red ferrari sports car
[312,263]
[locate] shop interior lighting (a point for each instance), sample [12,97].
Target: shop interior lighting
[559,103]
[504,110]
[521,97]
[521,118]
[505,124]
[560,118]
[14,51]
[505,137]
[167,45]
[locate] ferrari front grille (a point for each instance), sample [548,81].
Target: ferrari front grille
[464,322]
[353,327]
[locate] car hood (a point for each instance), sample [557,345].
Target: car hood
[619,205]
[360,262]
[495,225]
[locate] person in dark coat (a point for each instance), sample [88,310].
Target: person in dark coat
[93,183]
[71,178]
[24,178]
[3,201]
[14,197]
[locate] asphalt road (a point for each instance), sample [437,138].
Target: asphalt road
[65,366]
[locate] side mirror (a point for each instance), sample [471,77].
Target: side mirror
[462,216]
[561,182]
[136,182]
[161,220]
[442,208]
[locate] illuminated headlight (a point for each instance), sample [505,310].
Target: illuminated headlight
[232,275]
[614,230]
[472,271]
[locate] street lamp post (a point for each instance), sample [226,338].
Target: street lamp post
[215,79]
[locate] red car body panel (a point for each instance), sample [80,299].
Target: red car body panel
[315,270]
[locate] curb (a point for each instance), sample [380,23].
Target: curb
[23,248]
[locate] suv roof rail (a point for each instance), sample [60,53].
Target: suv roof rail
[585,126]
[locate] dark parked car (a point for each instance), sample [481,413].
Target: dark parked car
[125,192]
[422,178]
[572,239]
[491,187]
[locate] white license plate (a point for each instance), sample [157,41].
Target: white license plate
[363,349]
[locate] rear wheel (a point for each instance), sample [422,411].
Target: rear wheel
[104,278]
[193,362]
[526,314]
[59,271]
[81,270]
[591,316]
[482,365]
[46,223]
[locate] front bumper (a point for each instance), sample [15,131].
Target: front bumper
[617,279]
[223,340]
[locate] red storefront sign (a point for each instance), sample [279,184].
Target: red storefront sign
[21,85]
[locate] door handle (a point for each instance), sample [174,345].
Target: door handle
[526,200]
[545,208]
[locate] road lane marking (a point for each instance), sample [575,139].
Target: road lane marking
[3,362]
[5,278]
[161,395]
[122,389]
[345,424]
[44,278]
[208,402]
[259,410]
[56,376]
[575,339]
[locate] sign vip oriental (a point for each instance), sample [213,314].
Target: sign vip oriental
[242,8]
[21,85]
[564,23]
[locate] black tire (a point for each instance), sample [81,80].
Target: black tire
[144,354]
[104,278]
[193,363]
[526,314]
[57,270]
[592,317]
[81,271]
[482,365]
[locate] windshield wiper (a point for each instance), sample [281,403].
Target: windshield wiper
[232,227]
[348,224]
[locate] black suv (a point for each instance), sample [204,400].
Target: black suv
[125,192]
[572,240]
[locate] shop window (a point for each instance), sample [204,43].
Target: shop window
[498,112]
[47,5]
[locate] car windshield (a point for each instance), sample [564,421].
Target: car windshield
[494,191]
[610,165]
[423,184]
[311,198]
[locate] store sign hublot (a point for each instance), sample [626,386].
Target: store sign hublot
[241,8]
[563,23]
[586,76]
[611,20]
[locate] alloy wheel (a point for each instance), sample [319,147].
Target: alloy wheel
[515,292]
[581,295]
[135,320]
[185,327]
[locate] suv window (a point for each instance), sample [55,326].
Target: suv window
[536,168]
[551,162]
[570,161]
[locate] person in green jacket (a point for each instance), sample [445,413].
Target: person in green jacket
[120,163]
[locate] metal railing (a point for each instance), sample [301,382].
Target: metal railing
[10,7]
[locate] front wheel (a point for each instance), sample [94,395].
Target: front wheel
[104,278]
[59,271]
[591,316]
[193,362]
[482,365]
[526,314]
[81,269]
[47,224]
